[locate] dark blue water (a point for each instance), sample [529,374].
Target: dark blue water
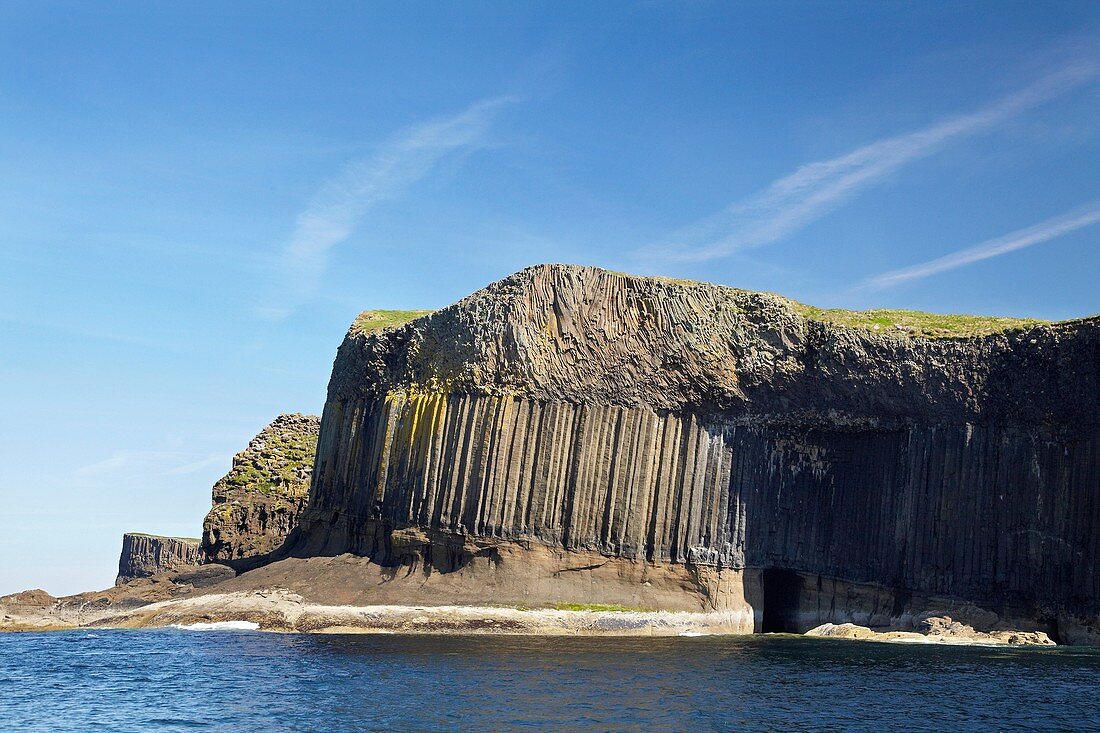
[248,681]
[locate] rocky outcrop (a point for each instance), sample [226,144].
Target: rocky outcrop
[256,505]
[935,630]
[37,610]
[813,473]
[144,555]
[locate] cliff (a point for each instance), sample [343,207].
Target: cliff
[144,555]
[256,504]
[577,431]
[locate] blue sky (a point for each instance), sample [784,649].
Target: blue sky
[197,198]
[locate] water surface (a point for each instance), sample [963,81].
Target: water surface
[176,680]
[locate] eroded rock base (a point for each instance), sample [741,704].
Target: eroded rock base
[282,610]
[943,630]
[448,584]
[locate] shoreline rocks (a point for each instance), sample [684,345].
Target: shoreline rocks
[350,594]
[942,631]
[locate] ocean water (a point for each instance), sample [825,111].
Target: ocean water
[180,680]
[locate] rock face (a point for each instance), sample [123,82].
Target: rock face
[256,505]
[802,472]
[941,630]
[144,555]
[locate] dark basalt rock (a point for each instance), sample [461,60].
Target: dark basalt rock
[144,555]
[687,423]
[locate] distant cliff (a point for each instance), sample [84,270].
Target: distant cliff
[258,502]
[144,555]
[800,470]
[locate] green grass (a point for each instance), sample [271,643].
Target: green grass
[163,537]
[282,459]
[916,323]
[895,322]
[884,321]
[596,607]
[369,321]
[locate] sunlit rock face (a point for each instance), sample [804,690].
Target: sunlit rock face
[144,555]
[256,505]
[801,471]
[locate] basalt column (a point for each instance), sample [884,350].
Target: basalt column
[829,472]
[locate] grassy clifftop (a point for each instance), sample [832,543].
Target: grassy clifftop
[163,537]
[376,320]
[916,323]
[897,322]
[881,320]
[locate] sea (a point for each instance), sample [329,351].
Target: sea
[238,680]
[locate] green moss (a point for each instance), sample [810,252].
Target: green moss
[369,321]
[916,323]
[613,607]
[281,461]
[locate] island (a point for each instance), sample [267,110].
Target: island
[575,450]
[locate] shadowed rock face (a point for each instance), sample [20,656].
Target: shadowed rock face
[256,505]
[144,555]
[703,427]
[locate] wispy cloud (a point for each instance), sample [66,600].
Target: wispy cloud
[149,463]
[338,207]
[197,465]
[813,190]
[1042,232]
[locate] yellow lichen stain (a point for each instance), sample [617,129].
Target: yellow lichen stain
[412,416]
[439,412]
[417,411]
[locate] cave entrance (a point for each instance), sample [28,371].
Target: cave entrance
[781,590]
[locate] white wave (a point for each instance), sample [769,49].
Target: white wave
[220,626]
